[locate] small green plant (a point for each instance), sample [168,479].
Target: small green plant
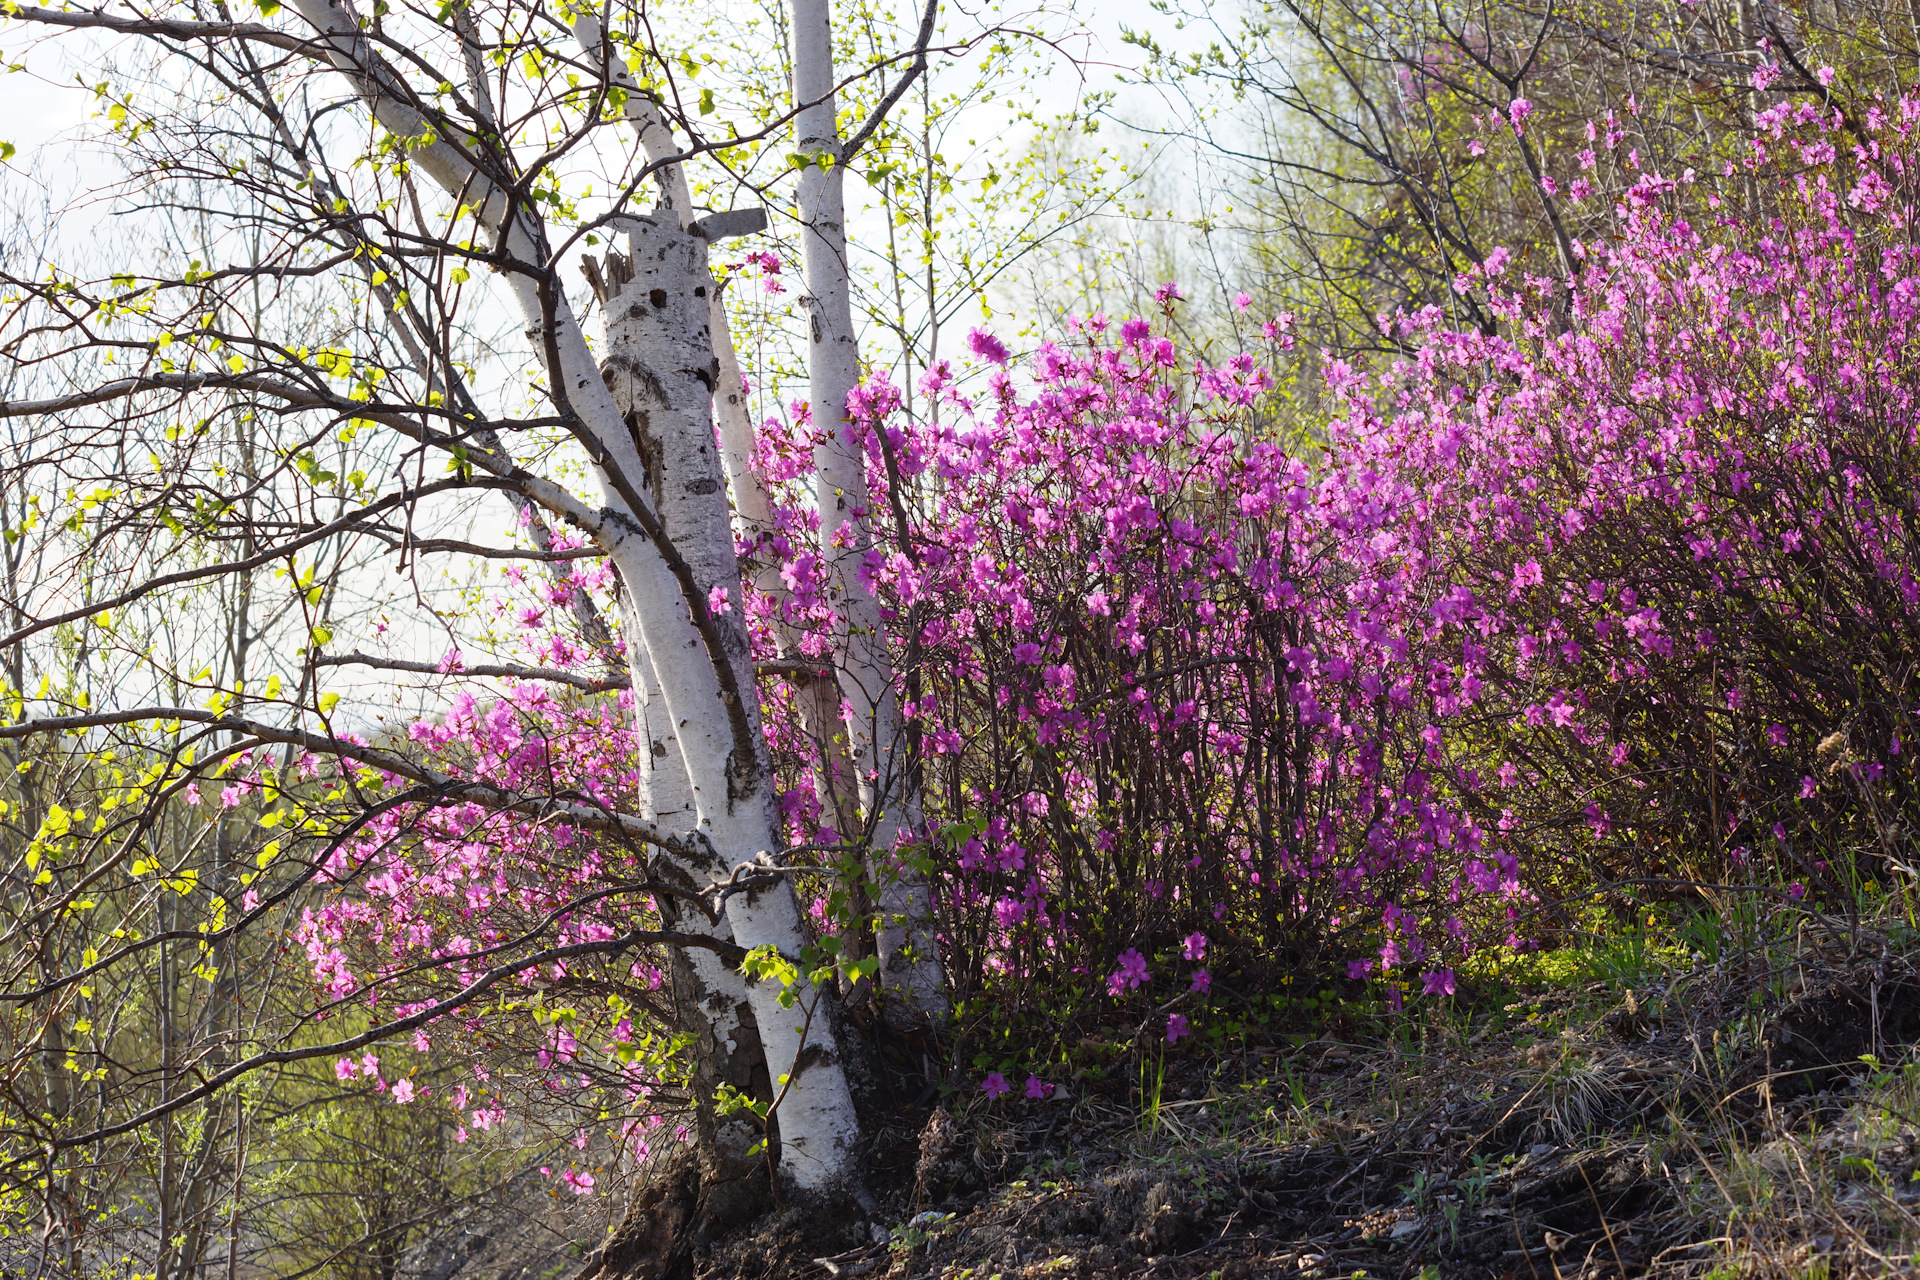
[1473,1186]
[1153,1079]
[1296,1086]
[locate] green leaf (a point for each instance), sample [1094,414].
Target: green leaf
[6,151]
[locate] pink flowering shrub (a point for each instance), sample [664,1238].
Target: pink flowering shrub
[426,893]
[1623,592]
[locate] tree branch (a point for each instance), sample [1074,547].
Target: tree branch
[510,672]
[592,817]
[913,72]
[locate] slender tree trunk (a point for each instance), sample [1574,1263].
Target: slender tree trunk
[817,693]
[909,955]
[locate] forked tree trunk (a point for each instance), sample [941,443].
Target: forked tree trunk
[818,694]
[640,329]
[697,657]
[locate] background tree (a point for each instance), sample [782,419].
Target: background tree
[1373,152]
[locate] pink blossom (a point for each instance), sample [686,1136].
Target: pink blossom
[1131,973]
[987,347]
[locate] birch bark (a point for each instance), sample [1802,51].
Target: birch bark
[909,955]
[697,657]
[818,696]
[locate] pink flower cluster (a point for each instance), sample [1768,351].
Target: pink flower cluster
[1625,590]
[1564,600]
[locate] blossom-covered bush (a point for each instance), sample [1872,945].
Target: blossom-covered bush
[1622,593]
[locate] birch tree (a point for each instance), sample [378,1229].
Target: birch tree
[889,805]
[418,168]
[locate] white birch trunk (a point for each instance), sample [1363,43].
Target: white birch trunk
[819,701]
[818,696]
[909,954]
[717,726]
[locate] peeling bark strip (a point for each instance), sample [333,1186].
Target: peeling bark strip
[890,807]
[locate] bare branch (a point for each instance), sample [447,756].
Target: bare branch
[590,816]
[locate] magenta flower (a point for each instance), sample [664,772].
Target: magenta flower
[1438,983]
[995,1086]
[403,1091]
[1177,1026]
[984,345]
[1202,981]
[1038,1088]
[1194,947]
[1131,973]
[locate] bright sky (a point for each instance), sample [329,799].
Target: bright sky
[37,108]
[33,111]
[42,111]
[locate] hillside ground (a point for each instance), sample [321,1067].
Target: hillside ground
[1624,1107]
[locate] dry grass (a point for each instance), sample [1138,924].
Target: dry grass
[1755,1117]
